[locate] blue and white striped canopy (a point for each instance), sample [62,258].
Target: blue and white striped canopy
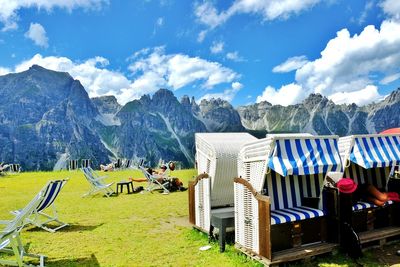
[305,156]
[376,151]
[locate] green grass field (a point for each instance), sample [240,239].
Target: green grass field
[149,229]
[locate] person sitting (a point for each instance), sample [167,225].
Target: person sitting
[108,167]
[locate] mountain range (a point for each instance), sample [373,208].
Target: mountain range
[47,118]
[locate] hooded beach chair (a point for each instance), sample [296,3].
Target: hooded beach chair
[212,190]
[368,159]
[10,240]
[96,183]
[38,217]
[153,181]
[279,214]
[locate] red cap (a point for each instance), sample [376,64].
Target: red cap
[346,185]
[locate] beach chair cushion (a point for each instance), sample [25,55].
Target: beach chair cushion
[366,205]
[294,214]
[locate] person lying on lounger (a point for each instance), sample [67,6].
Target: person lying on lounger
[174,183]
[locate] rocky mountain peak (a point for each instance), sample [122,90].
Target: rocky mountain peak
[107,104]
[315,99]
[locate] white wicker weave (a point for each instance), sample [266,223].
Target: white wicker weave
[216,155]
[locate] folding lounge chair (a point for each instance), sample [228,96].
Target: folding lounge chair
[73,164]
[85,163]
[38,217]
[126,164]
[10,240]
[118,164]
[96,183]
[152,182]
[15,168]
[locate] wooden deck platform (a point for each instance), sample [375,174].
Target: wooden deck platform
[302,252]
[379,235]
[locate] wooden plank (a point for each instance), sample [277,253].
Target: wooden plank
[378,234]
[192,211]
[302,252]
[298,253]
[264,231]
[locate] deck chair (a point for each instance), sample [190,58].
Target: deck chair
[38,217]
[126,164]
[118,164]
[96,183]
[10,240]
[15,168]
[73,164]
[85,163]
[152,181]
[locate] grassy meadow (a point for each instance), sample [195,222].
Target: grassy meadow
[149,229]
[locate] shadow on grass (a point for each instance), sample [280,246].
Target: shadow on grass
[70,228]
[88,261]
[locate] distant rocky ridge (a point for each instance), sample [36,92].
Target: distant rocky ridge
[46,118]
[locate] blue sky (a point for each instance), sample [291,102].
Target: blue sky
[244,51]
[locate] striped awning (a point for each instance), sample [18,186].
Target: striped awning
[376,151]
[305,156]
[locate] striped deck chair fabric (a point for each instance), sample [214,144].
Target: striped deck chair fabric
[286,195]
[15,168]
[297,170]
[41,219]
[85,163]
[371,158]
[10,240]
[73,164]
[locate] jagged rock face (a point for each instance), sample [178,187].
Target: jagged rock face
[318,115]
[219,116]
[44,114]
[106,104]
[156,128]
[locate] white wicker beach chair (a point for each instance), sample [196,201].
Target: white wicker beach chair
[278,208]
[216,156]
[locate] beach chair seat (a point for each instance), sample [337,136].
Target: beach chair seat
[41,219]
[96,183]
[295,214]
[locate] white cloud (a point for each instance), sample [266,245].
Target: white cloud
[217,47]
[227,94]
[352,64]
[151,70]
[360,97]
[390,78]
[37,34]
[91,73]
[9,8]
[234,56]
[202,36]
[179,70]
[208,14]
[391,8]
[160,22]
[286,95]
[4,71]
[368,6]
[291,64]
